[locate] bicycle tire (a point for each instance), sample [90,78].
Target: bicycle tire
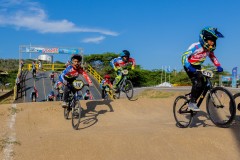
[76,115]
[236,96]
[182,115]
[66,112]
[128,88]
[106,95]
[223,103]
[117,94]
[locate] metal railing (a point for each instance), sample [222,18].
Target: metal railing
[46,67]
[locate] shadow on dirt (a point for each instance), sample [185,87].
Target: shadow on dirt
[90,115]
[200,119]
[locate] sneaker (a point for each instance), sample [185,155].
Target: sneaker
[64,104]
[193,107]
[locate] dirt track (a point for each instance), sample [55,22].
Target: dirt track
[142,129]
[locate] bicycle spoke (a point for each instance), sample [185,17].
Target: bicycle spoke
[76,115]
[181,113]
[221,107]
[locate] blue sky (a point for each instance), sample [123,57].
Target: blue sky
[156,32]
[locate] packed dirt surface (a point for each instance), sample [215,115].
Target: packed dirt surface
[143,129]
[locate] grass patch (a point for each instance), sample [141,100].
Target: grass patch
[7,100]
[14,110]
[7,141]
[153,93]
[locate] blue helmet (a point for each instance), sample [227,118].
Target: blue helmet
[209,33]
[125,53]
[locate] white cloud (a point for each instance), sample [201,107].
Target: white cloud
[31,16]
[94,39]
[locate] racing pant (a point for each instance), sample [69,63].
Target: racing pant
[198,83]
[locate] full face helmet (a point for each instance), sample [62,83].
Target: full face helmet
[125,53]
[209,33]
[106,76]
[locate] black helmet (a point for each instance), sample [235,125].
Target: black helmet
[125,53]
[77,56]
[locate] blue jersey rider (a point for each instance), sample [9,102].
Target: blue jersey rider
[119,62]
[195,56]
[70,74]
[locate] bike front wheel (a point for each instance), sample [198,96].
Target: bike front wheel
[128,88]
[237,100]
[76,115]
[221,107]
[66,112]
[117,94]
[182,115]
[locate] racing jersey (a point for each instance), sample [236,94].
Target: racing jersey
[196,55]
[105,82]
[118,62]
[70,74]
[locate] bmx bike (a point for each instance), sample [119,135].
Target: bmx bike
[220,105]
[124,86]
[74,103]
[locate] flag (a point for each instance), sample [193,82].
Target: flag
[168,69]
[234,77]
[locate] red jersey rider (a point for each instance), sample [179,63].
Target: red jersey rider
[119,62]
[195,56]
[70,74]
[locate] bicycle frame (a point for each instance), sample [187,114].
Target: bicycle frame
[121,84]
[208,87]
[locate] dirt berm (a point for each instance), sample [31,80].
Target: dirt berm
[112,130]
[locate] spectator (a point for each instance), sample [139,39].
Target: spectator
[87,95]
[18,82]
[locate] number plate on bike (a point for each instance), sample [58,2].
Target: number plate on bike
[125,72]
[207,73]
[78,84]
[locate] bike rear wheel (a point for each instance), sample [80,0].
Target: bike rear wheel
[221,107]
[181,113]
[128,88]
[76,115]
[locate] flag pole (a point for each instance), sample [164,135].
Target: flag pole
[165,73]
[162,75]
[169,74]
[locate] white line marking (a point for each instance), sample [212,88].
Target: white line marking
[8,149]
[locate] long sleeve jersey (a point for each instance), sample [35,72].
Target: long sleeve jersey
[118,62]
[104,83]
[196,55]
[70,74]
